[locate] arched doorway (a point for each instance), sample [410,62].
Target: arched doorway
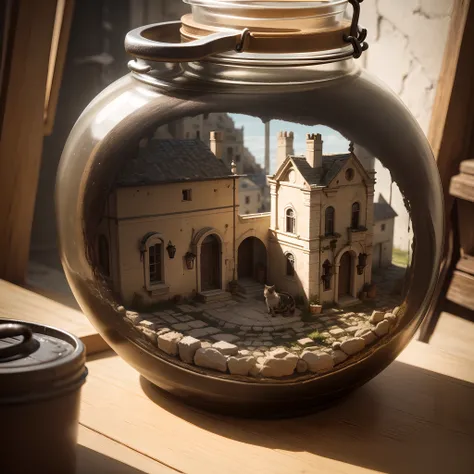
[345,272]
[211,263]
[252,260]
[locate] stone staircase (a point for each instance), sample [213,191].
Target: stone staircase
[214,296]
[250,289]
[347,301]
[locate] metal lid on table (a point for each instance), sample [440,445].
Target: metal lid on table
[38,362]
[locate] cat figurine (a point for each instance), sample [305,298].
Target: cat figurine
[278,302]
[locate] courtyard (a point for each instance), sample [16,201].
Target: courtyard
[241,326]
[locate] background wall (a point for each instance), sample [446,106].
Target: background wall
[406,37]
[406,45]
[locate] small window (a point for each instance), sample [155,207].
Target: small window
[187,195]
[355,215]
[290,221]
[198,134]
[329,221]
[349,174]
[154,262]
[237,158]
[290,264]
[258,197]
[104,260]
[382,227]
[187,134]
[247,199]
[230,154]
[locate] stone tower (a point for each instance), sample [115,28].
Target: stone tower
[285,147]
[314,150]
[216,143]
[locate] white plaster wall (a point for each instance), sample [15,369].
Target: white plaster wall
[406,45]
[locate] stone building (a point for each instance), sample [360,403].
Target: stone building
[219,132]
[173,226]
[384,225]
[321,222]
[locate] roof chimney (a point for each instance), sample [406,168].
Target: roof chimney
[285,147]
[216,143]
[314,150]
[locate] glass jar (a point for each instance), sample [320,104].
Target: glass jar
[164,251]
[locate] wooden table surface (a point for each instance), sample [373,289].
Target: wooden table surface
[417,416]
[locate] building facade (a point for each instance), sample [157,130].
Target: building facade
[174,225]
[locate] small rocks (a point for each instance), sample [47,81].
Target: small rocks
[134,317]
[279,363]
[187,348]
[318,362]
[211,358]
[241,365]
[336,345]
[353,346]
[168,342]
[339,357]
[391,318]
[255,370]
[301,366]
[148,324]
[367,335]
[306,341]
[337,332]
[382,328]
[149,334]
[226,348]
[376,317]
[244,352]
[352,330]
[159,332]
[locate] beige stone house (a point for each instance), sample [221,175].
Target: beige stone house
[173,227]
[384,226]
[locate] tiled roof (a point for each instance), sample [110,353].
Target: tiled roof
[174,160]
[332,164]
[383,210]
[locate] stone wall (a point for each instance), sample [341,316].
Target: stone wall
[407,40]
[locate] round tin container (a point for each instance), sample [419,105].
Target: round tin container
[41,372]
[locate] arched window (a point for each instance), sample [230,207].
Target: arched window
[155,262]
[104,259]
[290,221]
[290,264]
[329,221]
[355,215]
[152,250]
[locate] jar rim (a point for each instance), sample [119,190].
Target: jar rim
[275,4]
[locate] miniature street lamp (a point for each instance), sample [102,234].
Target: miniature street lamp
[171,249]
[189,259]
[290,61]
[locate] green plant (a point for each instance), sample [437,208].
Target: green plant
[316,336]
[314,299]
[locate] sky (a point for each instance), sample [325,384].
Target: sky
[254,133]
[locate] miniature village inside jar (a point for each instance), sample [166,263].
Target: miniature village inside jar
[225,210]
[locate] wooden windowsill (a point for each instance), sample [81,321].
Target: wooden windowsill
[22,304]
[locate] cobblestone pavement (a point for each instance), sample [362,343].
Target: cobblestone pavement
[239,337]
[246,323]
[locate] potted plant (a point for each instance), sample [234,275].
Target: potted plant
[314,305]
